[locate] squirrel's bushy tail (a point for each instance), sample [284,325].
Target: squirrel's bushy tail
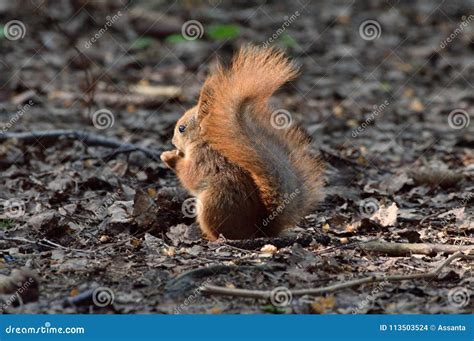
[236,121]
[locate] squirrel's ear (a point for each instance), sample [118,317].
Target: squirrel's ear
[205,99]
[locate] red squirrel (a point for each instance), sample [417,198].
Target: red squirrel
[251,177]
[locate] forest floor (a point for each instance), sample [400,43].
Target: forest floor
[94,211]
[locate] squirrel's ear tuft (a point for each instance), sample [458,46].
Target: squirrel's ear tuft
[205,99]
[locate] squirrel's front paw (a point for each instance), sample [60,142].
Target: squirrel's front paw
[169,158]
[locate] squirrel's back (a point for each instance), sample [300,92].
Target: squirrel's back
[237,122]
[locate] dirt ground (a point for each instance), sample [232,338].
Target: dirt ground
[386,92]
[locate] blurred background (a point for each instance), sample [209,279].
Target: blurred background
[354,55]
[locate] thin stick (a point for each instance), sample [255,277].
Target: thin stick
[401,249]
[406,249]
[44,242]
[266,294]
[83,136]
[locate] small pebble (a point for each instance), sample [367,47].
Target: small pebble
[104,238]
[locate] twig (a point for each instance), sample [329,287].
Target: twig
[341,162]
[428,217]
[188,280]
[83,136]
[406,249]
[118,99]
[44,242]
[280,242]
[400,249]
[266,294]
[119,151]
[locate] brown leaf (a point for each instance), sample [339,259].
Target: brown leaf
[144,209]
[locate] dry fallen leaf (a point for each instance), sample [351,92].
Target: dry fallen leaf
[386,216]
[74,292]
[353,227]
[322,304]
[169,251]
[458,213]
[120,212]
[216,310]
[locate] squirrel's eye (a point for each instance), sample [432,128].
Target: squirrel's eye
[182,128]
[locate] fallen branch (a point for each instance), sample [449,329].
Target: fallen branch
[121,100]
[85,137]
[280,242]
[43,242]
[266,294]
[406,249]
[189,280]
[340,162]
